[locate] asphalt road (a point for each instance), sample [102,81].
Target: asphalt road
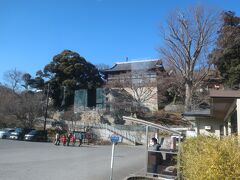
[21,160]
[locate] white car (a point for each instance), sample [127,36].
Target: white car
[5,133]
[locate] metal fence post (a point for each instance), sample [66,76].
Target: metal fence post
[112,161]
[178,158]
[146,164]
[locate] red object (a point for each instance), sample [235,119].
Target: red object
[72,139]
[63,139]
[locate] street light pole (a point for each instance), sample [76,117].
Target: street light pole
[46,109]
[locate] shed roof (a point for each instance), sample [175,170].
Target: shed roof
[150,124]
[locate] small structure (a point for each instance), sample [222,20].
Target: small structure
[223,117]
[169,163]
[213,80]
[201,121]
[226,109]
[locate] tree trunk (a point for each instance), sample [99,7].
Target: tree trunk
[188,96]
[174,99]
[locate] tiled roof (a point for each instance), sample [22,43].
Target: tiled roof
[136,65]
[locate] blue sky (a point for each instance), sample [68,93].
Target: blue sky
[102,31]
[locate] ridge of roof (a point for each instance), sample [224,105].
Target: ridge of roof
[135,65]
[136,61]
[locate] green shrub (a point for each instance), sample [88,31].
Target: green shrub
[210,158]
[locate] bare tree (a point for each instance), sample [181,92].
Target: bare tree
[27,106]
[170,89]
[20,109]
[14,79]
[188,36]
[70,115]
[132,91]
[7,118]
[101,68]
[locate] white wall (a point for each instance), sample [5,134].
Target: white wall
[214,124]
[199,124]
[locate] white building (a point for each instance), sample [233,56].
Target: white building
[223,117]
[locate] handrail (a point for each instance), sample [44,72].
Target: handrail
[150,124]
[124,134]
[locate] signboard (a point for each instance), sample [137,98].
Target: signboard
[114,138]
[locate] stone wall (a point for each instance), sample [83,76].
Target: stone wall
[104,134]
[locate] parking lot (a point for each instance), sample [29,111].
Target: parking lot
[20,160]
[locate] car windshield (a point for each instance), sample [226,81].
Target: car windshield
[32,132]
[18,130]
[8,130]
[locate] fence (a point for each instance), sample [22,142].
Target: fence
[122,133]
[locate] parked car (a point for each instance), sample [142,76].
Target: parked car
[36,135]
[19,133]
[5,133]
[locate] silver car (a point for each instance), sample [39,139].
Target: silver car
[5,133]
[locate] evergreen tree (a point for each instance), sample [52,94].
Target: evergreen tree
[226,57]
[67,72]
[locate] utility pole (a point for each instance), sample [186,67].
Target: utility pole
[46,109]
[64,94]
